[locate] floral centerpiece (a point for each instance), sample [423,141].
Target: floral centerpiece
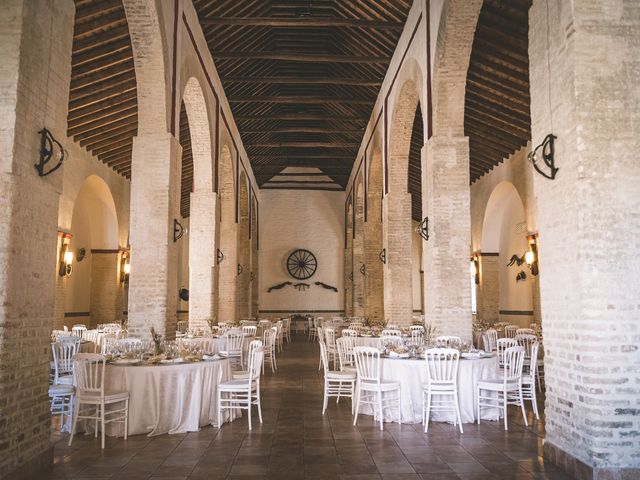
[157,341]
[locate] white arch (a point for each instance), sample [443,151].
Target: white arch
[503,197]
[200,132]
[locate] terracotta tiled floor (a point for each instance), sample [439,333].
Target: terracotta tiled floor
[297,442]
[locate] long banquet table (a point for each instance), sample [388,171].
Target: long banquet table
[412,373]
[168,398]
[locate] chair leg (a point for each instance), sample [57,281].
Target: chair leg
[524,414]
[74,423]
[258,403]
[534,402]
[399,405]
[102,415]
[426,409]
[249,409]
[379,395]
[355,416]
[504,407]
[325,400]
[455,398]
[219,407]
[126,418]
[478,406]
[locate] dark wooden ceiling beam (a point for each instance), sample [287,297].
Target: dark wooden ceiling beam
[110,146]
[90,55]
[303,145]
[110,75]
[303,80]
[103,105]
[100,96]
[299,100]
[328,129]
[302,156]
[301,22]
[299,57]
[110,137]
[111,112]
[300,117]
[87,125]
[88,136]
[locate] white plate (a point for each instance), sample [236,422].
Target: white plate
[210,358]
[173,360]
[126,361]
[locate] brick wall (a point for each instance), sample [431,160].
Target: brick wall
[35,46]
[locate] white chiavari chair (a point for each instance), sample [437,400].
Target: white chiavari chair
[336,383]
[344,347]
[391,332]
[440,392]
[269,346]
[501,345]
[417,337]
[390,340]
[249,330]
[510,331]
[525,331]
[349,332]
[244,392]
[529,379]
[89,379]
[234,339]
[63,353]
[330,344]
[490,340]
[371,387]
[501,392]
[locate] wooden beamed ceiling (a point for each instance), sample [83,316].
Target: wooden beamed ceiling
[415,166]
[103,105]
[497,101]
[302,77]
[186,169]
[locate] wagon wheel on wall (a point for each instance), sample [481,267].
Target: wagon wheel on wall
[302,264]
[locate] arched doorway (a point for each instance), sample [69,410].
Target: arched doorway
[228,244]
[398,271]
[197,207]
[93,291]
[505,291]
[414,186]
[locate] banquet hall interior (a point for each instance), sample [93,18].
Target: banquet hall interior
[328,239]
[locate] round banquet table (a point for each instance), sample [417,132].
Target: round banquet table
[412,373]
[367,342]
[167,398]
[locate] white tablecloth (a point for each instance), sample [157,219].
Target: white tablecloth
[167,398]
[367,342]
[413,373]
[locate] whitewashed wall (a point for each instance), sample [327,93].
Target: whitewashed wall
[312,220]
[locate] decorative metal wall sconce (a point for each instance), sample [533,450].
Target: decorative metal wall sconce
[531,257]
[48,146]
[521,276]
[252,276]
[547,150]
[423,228]
[475,269]
[183,293]
[383,256]
[240,269]
[125,267]
[219,257]
[350,276]
[80,254]
[363,269]
[178,230]
[66,258]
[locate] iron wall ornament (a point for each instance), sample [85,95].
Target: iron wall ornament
[383,256]
[240,269]
[423,228]
[219,256]
[278,286]
[80,254]
[363,269]
[301,287]
[328,287]
[302,264]
[178,230]
[48,146]
[183,293]
[548,157]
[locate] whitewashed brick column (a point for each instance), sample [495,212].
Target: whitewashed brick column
[227,294]
[348,276]
[243,277]
[202,258]
[155,191]
[445,200]
[488,290]
[374,282]
[585,73]
[105,286]
[358,262]
[398,294]
[35,47]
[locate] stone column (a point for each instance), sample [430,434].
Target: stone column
[105,286]
[35,47]
[585,72]
[445,200]
[358,277]
[374,283]
[155,192]
[202,258]
[488,290]
[228,271]
[396,227]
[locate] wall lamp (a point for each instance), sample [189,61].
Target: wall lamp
[475,268]
[531,255]
[125,267]
[66,256]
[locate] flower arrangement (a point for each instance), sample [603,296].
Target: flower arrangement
[157,341]
[430,333]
